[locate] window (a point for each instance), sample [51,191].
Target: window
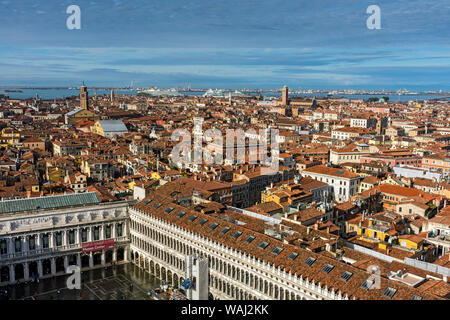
[225,230]
[168,210]
[96,234]
[203,222]
[389,292]
[310,261]
[180,214]
[31,243]
[120,230]
[83,235]
[293,255]
[237,234]
[192,218]
[156,206]
[263,244]
[250,239]
[416,297]
[18,245]
[346,276]
[45,242]
[327,268]
[277,250]
[367,284]
[213,226]
[72,235]
[3,249]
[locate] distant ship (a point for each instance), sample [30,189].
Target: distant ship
[13,91]
[235,93]
[161,92]
[217,93]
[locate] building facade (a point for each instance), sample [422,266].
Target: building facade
[41,237]
[345,184]
[243,264]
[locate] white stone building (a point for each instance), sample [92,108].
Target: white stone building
[42,236]
[344,183]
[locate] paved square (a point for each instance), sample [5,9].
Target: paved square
[112,283]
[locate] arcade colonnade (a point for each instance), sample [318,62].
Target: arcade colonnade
[161,248]
[48,252]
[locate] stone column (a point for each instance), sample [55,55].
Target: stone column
[25,244]
[114,255]
[26,271]
[113,230]
[91,260]
[64,238]
[11,247]
[38,241]
[103,257]
[53,266]
[51,240]
[66,263]
[12,273]
[79,260]
[125,254]
[39,266]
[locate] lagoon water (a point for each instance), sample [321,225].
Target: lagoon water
[64,93]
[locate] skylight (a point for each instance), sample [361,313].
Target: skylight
[277,250]
[367,284]
[310,261]
[263,244]
[202,222]
[156,206]
[225,230]
[192,218]
[346,275]
[416,297]
[213,226]
[293,255]
[250,239]
[182,213]
[237,234]
[168,210]
[327,268]
[389,292]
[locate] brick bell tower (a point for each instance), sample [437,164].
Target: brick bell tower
[84,98]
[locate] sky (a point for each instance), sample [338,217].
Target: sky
[320,44]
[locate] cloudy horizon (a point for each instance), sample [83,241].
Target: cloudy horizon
[233,44]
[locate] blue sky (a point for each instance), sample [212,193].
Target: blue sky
[232,44]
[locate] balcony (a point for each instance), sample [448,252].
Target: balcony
[379,228]
[368,239]
[439,238]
